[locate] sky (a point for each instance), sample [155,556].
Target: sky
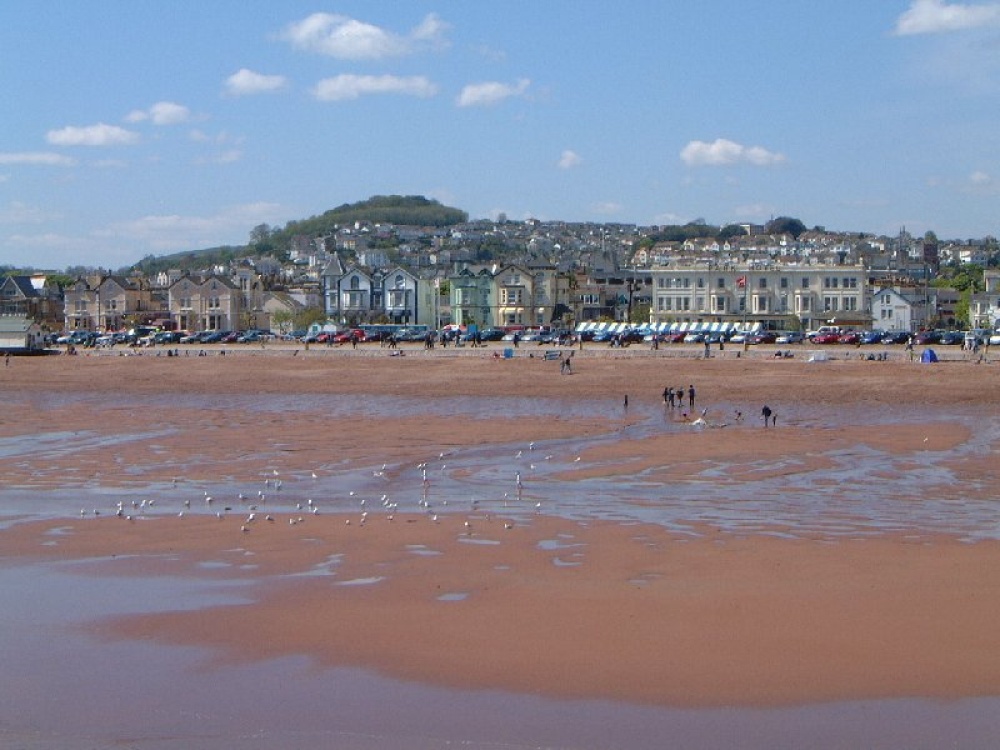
[133,127]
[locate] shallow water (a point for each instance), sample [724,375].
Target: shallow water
[861,490]
[61,687]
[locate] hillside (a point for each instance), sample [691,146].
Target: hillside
[264,240]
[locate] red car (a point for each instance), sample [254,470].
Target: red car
[827,338]
[345,337]
[764,337]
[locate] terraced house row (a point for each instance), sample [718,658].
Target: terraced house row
[776,295]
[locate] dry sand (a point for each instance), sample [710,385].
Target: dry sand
[553,606]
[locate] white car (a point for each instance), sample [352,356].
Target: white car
[790,337]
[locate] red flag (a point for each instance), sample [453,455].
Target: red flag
[741,282]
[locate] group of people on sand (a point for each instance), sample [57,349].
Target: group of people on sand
[674,398]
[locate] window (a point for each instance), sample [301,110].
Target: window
[783,283]
[805,282]
[398,281]
[720,283]
[762,283]
[701,283]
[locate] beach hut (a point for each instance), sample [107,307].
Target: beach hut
[19,334]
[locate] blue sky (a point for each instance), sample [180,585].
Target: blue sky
[133,128]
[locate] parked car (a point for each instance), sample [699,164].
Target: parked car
[849,337]
[345,337]
[762,337]
[167,337]
[953,338]
[925,338]
[895,337]
[790,337]
[871,337]
[826,338]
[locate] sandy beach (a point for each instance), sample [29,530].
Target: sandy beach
[494,525]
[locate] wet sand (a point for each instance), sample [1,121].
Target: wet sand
[693,613]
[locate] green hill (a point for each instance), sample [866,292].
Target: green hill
[380,209]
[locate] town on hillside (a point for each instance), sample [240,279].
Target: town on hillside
[521,275]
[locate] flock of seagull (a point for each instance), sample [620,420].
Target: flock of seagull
[251,507]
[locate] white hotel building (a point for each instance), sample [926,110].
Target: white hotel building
[773,295]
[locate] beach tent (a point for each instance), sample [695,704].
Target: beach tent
[929,355]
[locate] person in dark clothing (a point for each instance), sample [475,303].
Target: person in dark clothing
[766,414]
[691,397]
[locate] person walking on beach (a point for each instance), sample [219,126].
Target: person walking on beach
[691,397]
[666,396]
[766,414]
[626,402]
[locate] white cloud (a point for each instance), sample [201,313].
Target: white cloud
[17,212]
[174,232]
[754,211]
[607,208]
[44,158]
[92,135]
[245,82]
[668,217]
[937,16]
[161,113]
[229,156]
[349,86]
[721,152]
[490,92]
[569,159]
[349,39]
[980,179]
